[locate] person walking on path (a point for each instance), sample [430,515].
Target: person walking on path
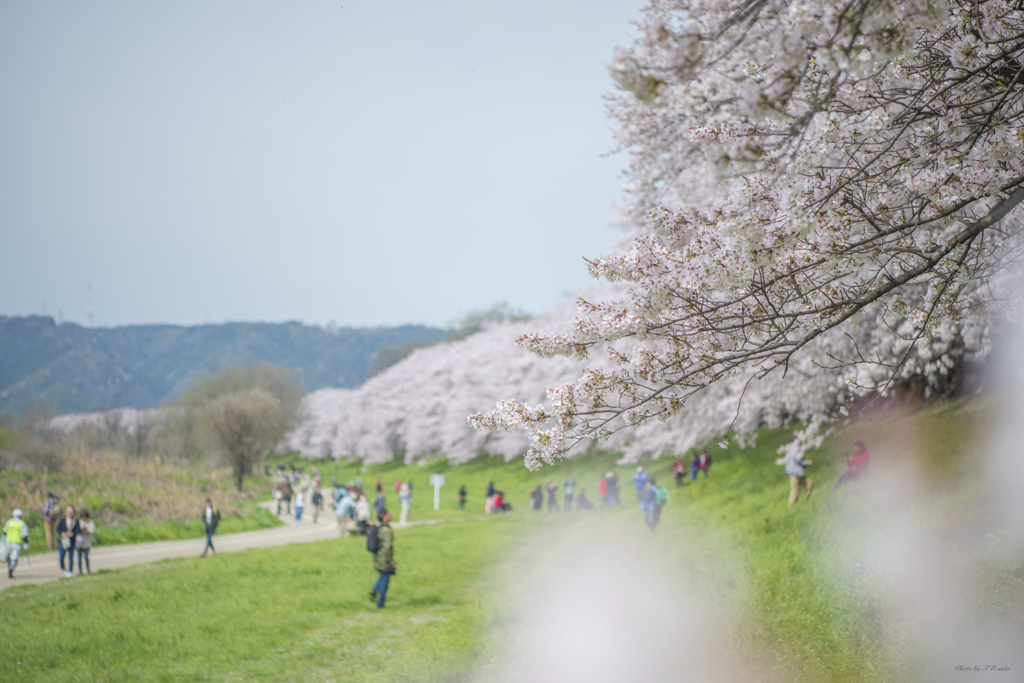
[279,497]
[84,541]
[318,503]
[552,499]
[795,469]
[462,496]
[489,501]
[640,481]
[656,499]
[345,510]
[570,484]
[211,517]
[857,464]
[362,514]
[287,494]
[679,471]
[51,508]
[300,503]
[67,529]
[405,500]
[383,557]
[704,462]
[15,538]
[602,490]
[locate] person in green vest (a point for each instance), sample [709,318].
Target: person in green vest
[15,536]
[383,558]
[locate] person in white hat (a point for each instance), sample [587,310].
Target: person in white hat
[15,535]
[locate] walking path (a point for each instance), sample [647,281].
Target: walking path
[46,567]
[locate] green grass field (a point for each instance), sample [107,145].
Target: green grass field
[797,587]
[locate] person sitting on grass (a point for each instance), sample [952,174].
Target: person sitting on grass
[582,502]
[499,502]
[211,518]
[856,462]
[383,557]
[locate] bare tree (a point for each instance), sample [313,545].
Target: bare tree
[247,426]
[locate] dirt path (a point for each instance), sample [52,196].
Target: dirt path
[46,567]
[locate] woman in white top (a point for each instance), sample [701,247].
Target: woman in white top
[83,542]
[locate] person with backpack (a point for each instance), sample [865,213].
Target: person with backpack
[15,538]
[656,499]
[317,502]
[380,541]
[211,518]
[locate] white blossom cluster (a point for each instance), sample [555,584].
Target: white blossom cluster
[824,196]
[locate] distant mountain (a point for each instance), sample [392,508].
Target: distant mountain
[79,368]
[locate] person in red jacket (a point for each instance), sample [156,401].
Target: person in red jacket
[856,463]
[602,491]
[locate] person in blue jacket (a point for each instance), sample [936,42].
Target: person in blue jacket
[640,481]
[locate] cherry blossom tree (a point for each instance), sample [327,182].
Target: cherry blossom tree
[824,196]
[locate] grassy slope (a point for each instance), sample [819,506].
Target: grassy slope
[803,607]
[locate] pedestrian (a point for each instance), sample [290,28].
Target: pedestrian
[552,493]
[383,556]
[795,469]
[51,508]
[279,497]
[582,502]
[602,490]
[657,497]
[67,529]
[379,503]
[613,489]
[640,481]
[694,466]
[362,513]
[462,496]
[287,495]
[345,510]
[679,470]
[84,541]
[300,503]
[379,485]
[398,484]
[211,518]
[704,462]
[405,500]
[856,463]
[537,501]
[15,539]
[489,501]
[318,503]
[570,484]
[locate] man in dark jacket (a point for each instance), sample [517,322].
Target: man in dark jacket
[211,517]
[67,530]
[384,558]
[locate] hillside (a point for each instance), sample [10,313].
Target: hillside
[77,368]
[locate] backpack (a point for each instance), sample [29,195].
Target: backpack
[372,539]
[662,497]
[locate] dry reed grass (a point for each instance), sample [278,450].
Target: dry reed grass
[115,488]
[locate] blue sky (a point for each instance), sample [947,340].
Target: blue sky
[366,163]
